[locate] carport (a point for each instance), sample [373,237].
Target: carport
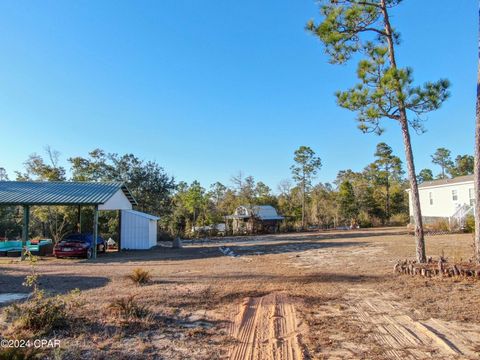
[100,195]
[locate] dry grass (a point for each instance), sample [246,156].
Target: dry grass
[40,314]
[19,353]
[140,276]
[128,309]
[318,270]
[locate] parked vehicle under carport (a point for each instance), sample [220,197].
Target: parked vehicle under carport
[78,245]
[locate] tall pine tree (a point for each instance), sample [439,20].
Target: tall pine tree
[385,90]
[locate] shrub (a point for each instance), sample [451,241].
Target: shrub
[164,236]
[127,309]
[364,221]
[41,313]
[400,219]
[439,225]
[140,276]
[469,224]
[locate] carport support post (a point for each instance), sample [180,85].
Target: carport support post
[119,244]
[95,231]
[79,219]
[25,231]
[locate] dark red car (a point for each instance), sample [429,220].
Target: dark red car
[78,245]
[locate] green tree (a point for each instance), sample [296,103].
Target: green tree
[96,167]
[348,206]
[54,221]
[385,90]
[389,167]
[305,168]
[288,204]
[245,188]
[443,159]
[323,207]
[148,182]
[463,166]
[38,169]
[264,195]
[217,193]
[425,175]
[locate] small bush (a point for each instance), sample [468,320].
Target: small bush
[140,276]
[469,224]
[164,236]
[128,309]
[399,219]
[364,221]
[439,225]
[41,313]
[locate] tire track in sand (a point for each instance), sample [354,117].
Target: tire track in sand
[403,337]
[265,329]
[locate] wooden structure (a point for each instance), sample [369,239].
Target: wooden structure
[254,220]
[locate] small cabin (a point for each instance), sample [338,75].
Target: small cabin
[258,219]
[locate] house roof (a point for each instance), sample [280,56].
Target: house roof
[263,212]
[141,214]
[60,192]
[267,212]
[456,180]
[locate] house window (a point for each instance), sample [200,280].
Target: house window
[471,196]
[455,195]
[430,197]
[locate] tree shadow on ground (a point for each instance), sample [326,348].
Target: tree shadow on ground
[192,252]
[57,284]
[318,277]
[216,296]
[302,236]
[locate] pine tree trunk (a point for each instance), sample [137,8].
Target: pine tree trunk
[477,161]
[417,213]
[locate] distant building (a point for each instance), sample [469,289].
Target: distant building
[254,219]
[447,199]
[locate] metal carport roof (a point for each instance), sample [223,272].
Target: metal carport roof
[60,192]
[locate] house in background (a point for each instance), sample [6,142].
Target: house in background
[445,199]
[254,219]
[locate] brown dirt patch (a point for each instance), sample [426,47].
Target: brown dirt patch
[328,279]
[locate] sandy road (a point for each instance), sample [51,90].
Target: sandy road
[403,337]
[265,329]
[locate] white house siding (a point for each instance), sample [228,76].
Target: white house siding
[117,202]
[138,230]
[443,204]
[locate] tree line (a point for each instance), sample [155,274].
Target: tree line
[374,196]
[360,29]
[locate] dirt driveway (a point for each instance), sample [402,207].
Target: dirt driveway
[327,295]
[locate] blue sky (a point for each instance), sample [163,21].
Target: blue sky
[209,88]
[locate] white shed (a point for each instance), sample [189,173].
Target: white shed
[138,230]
